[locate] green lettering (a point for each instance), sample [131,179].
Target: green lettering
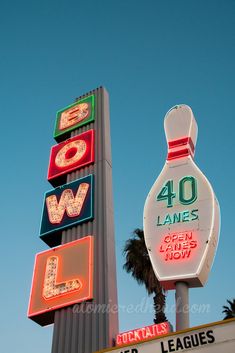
[167,220]
[176,217]
[167,193]
[187,186]
[185,216]
[194,215]
[158,221]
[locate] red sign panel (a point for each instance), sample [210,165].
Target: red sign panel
[144,333]
[62,276]
[70,155]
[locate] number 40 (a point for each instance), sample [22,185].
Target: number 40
[168,194]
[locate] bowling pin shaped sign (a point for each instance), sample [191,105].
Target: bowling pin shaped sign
[181,212]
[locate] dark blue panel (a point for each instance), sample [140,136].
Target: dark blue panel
[51,233]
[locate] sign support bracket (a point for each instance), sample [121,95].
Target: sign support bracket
[182,305]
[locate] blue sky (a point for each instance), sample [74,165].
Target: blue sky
[150,55]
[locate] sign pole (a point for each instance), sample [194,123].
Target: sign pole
[182,305]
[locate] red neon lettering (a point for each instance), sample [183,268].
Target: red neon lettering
[119,340]
[178,246]
[185,253]
[142,333]
[130,336]
[167,239]
[161,329]
[137,335]
[193,244]
[148,332]
[72,205]
[177,255]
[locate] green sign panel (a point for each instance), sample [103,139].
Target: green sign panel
[74,116]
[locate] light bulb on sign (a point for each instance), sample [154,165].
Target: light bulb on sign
[70,153]
[74,115]
[67,203]
[181,212]
[51,288]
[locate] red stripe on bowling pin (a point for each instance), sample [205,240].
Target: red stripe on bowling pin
[180,148]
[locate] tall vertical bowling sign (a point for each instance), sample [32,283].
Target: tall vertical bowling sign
[77,222]
[181,214]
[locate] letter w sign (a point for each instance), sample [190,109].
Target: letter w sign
[66,206]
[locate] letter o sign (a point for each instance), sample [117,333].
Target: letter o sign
[71,153]
[69,156]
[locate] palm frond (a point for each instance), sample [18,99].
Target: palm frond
[229,311]
[138,264]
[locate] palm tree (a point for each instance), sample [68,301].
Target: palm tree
[229,311]
[139,265]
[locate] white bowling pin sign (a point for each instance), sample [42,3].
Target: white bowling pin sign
[181,212]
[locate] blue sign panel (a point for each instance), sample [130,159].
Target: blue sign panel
[66,206]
